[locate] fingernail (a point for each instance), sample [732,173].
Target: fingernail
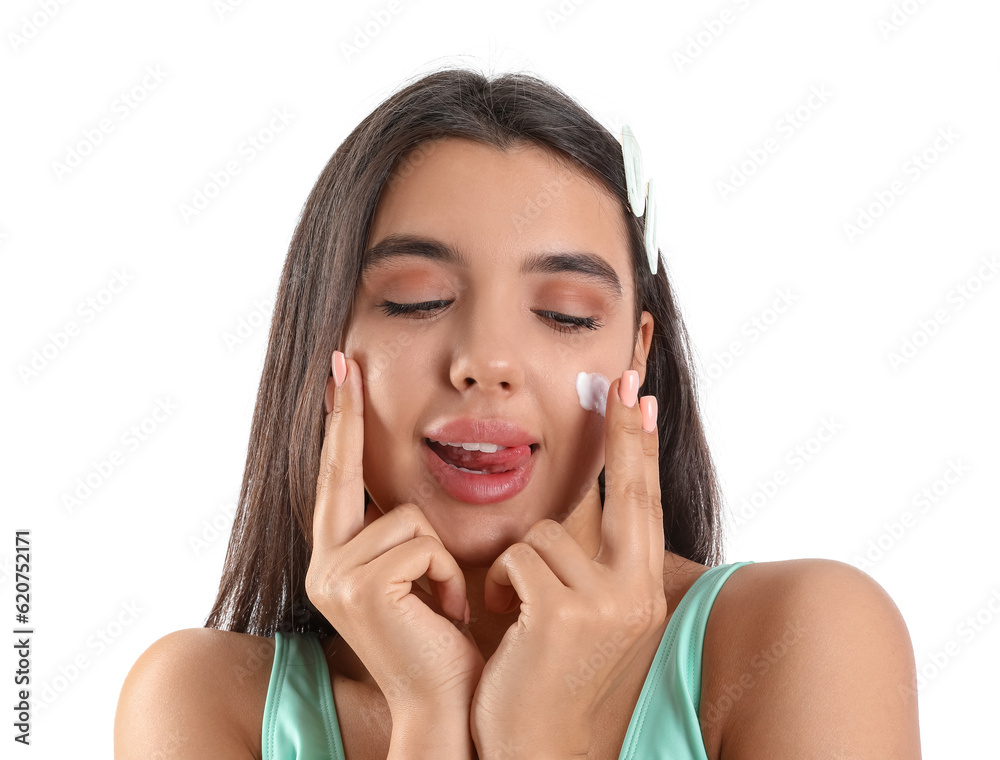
[468,612]
[339,368]
[648,406]
[628,388]
[328,398]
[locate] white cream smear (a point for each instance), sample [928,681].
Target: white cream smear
[592,388]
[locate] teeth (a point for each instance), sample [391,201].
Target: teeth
[474,472]
[487,448]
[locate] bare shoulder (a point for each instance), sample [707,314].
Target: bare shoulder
[193,693]
[813,646]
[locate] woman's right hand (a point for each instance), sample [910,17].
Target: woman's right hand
[362,576]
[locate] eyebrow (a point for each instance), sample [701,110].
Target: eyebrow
[588,265]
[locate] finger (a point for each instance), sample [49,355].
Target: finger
[625,520]
[519,576]
[428,599]
[431,601]
[398,526]
[651,455]
[340,491]
[372,513]
[401,566]
[562,553]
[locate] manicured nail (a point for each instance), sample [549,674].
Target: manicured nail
[628,388]
[648,406]
[339,368]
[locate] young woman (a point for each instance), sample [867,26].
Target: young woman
[445,545]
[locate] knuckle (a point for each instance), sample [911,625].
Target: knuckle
[631,425]
[639,614]
[348,593]
[660,608]
[336,470]
[426,543]
[646,612]
[316,588]
[635,490]
[609,618]
[542,532]
[411,513]
[329,589]
[406,508]
[655,505]
[519,552]
[338,408]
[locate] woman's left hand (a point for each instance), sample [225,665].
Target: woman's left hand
[583,621]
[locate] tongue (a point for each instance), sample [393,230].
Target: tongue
[500,461]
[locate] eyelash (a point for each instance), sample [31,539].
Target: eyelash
[560,322]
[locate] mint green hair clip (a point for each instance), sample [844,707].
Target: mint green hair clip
[633,170]
[652,249]
[640,197]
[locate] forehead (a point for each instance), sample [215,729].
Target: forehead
[493,204]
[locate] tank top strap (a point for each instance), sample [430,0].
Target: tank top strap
[300,719]
[665,721]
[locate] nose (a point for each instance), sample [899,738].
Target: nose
[489,358]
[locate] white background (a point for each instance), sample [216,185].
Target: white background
[162,338]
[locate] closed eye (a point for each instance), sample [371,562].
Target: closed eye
[560,322]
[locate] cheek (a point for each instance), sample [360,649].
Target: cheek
[392,353]
[575,441]
[592,391]
[393,403]
[389,406]
[576,434]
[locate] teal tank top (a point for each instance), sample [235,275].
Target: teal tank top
[300,720]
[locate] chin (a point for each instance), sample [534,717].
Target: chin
[474,539]
[477,556]
[479,545]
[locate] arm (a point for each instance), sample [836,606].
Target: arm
[833,668]
[439,735]
[171,705]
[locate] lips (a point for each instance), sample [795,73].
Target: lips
[472,430]
[504,474]
[472,488]
[499,461]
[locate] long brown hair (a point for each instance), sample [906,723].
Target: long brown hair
[263,582]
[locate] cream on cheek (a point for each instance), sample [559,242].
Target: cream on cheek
[592,388]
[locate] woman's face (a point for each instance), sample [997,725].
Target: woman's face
[495,344]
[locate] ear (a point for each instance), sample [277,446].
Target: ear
[642,343]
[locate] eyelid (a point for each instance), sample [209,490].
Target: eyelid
[569,323]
